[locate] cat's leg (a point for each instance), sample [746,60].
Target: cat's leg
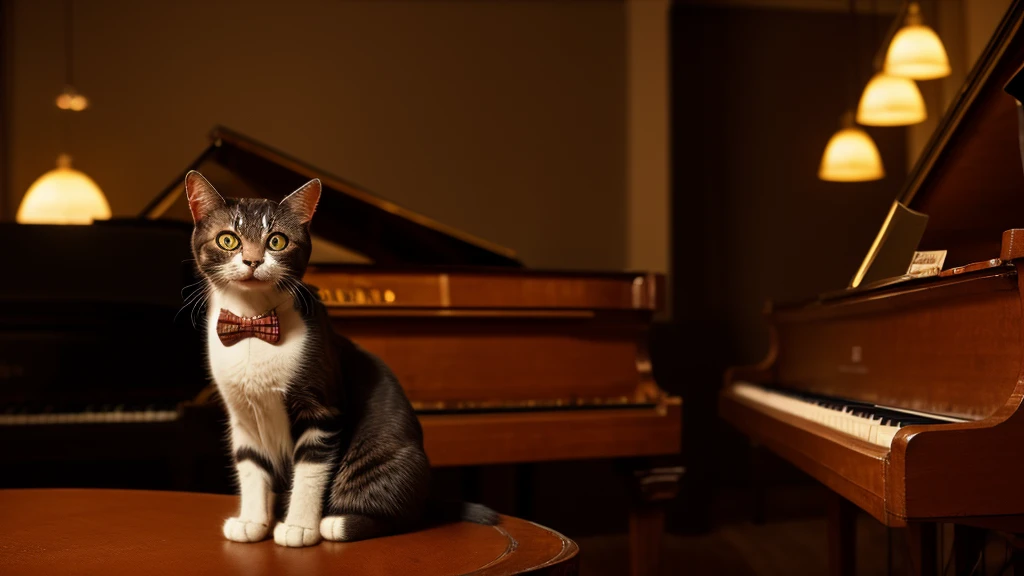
[314,457]
[255,478]
[376,493]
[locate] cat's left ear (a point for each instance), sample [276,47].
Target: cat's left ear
[303,201]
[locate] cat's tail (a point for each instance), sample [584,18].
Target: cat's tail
[446,512]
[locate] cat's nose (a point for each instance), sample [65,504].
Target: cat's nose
[252,263]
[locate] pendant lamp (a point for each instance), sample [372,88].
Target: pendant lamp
[891,101]
[916,50]
[65,195]
[851,155]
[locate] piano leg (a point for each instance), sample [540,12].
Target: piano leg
[968,543]
[653,488]
[842,536]
[922,551]
[759,457]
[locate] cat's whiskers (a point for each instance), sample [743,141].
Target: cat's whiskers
[195,298]
[300,291]
[196,283]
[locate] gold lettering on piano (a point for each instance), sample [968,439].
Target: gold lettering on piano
[357,296]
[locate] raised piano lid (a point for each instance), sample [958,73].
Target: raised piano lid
[394,258]
[969,179]
[352,224]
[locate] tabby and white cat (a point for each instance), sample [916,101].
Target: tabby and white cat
[321,430]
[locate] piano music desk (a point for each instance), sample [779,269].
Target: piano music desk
[113,532]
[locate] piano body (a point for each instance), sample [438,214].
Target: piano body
[904,398]
[503,364]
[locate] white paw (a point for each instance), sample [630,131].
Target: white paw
[239,530]
[333,528]
[295,536]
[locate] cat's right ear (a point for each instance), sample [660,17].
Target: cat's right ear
[202,196]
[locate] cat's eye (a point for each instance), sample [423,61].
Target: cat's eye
[277,241]
[228,241]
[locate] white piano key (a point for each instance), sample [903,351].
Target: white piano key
[116,417]
[865,427]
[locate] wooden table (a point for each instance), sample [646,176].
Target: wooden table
[113,532]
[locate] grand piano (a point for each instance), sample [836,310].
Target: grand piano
[503,364]
[904,396]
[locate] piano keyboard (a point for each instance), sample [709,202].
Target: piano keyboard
[874,423]
[24,416]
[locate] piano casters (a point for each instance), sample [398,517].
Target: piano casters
[653,487]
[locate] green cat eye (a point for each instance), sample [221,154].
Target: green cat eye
[277,241]
[228,241]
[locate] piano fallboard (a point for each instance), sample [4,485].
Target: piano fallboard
[946,346]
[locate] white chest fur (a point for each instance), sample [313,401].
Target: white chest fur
[252,367]
[252,375]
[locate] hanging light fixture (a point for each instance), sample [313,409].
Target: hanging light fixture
[65,195]
[916,50]
[850,155]
[891,101]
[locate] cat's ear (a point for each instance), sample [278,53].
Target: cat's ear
[202,196]
[303,201]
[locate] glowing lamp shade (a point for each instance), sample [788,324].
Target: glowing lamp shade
[916,51]
[851,156]
[63,196]
[891,101]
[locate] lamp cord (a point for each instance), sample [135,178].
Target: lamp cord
[69,42]
[879,60]
[69,71]
[854,76]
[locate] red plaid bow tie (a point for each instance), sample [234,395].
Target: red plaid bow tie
[233,329]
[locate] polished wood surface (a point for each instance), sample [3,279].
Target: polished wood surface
[128,532]
[536,436]
[947,346]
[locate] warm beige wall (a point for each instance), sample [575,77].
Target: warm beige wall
[981,17]
[505,119]
[649,204]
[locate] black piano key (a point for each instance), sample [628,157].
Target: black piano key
[862,409]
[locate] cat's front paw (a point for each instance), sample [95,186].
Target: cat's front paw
[295,536]
[238,530]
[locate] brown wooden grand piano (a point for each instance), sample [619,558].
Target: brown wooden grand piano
[905,398]
[503,364]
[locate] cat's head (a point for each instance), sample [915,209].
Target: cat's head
[250,243]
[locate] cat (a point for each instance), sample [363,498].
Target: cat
[321,431]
